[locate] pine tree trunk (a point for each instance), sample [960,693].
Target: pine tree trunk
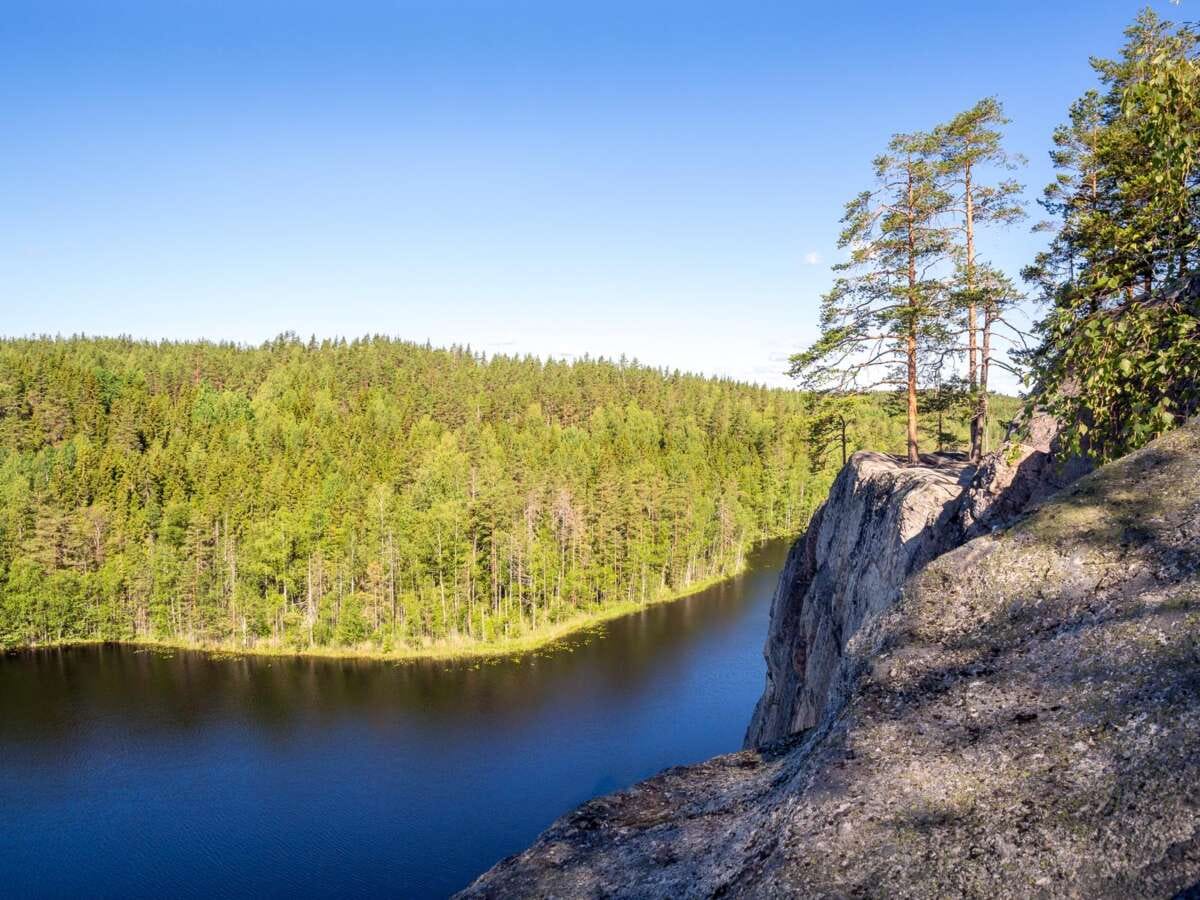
[914,453]
[972,320]
[984,361]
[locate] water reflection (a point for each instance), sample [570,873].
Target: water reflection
[424,772]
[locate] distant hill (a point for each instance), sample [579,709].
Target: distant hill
[377,495]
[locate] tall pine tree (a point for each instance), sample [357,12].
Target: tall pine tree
[878,315]
[972,154]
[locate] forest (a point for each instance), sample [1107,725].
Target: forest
[380,495]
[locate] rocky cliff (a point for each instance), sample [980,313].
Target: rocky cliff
[882,521]
[1022,721]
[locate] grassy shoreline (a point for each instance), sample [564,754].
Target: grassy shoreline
[462,649]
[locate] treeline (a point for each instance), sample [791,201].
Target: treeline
[376,493]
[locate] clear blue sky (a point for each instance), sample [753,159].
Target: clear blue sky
[661,179]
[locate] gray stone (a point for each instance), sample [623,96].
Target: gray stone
[883,519]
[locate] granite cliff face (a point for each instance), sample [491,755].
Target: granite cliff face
[883,520]
[1020,722]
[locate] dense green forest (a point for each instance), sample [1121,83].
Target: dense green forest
[378,494]
[386,496]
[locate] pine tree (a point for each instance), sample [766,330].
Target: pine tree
[972,151]
[876,317]
[830,419]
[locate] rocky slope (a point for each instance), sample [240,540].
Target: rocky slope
[1022,722]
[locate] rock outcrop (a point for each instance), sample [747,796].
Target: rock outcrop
[1022,722]
[1017,477]
[883,520]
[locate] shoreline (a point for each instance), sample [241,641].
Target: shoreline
[468,649]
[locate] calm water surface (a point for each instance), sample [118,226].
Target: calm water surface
[127,772]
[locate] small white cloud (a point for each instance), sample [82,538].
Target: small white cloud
[812,259]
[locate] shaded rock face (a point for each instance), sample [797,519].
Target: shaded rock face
[883,519]
[1023,723]
[1016,478]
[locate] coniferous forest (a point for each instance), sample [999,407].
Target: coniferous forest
[380,495]
[384,496]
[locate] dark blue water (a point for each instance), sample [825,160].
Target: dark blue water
[128,773]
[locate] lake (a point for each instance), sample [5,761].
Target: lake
[133,772]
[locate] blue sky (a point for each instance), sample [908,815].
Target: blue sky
[658,179]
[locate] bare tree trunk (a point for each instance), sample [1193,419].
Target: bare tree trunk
[973,374]
[914,454]
[972,323]
[392,578]
[309,600]
[984,363]
[441,579]
[471,582]
[495,572]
